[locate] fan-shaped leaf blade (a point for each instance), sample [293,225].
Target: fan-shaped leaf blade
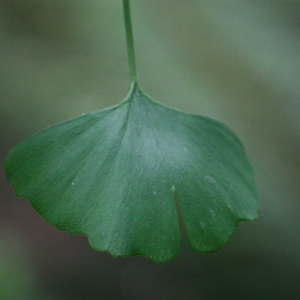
[112,174]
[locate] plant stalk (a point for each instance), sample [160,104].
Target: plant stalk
[130,44]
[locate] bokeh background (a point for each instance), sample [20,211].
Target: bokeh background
[236,60]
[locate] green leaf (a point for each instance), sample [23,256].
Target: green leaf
[112,175]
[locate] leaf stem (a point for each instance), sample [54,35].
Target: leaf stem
[129,40]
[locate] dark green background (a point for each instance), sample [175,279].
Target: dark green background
[236,61]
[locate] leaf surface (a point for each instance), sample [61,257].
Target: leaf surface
[112,175]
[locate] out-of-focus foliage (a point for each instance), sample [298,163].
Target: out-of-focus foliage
[17,277]
[239,62]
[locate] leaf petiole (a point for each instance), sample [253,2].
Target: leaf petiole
[129,40]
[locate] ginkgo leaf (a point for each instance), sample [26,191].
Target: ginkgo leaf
[112,175]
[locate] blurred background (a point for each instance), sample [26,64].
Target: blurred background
[237,61]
